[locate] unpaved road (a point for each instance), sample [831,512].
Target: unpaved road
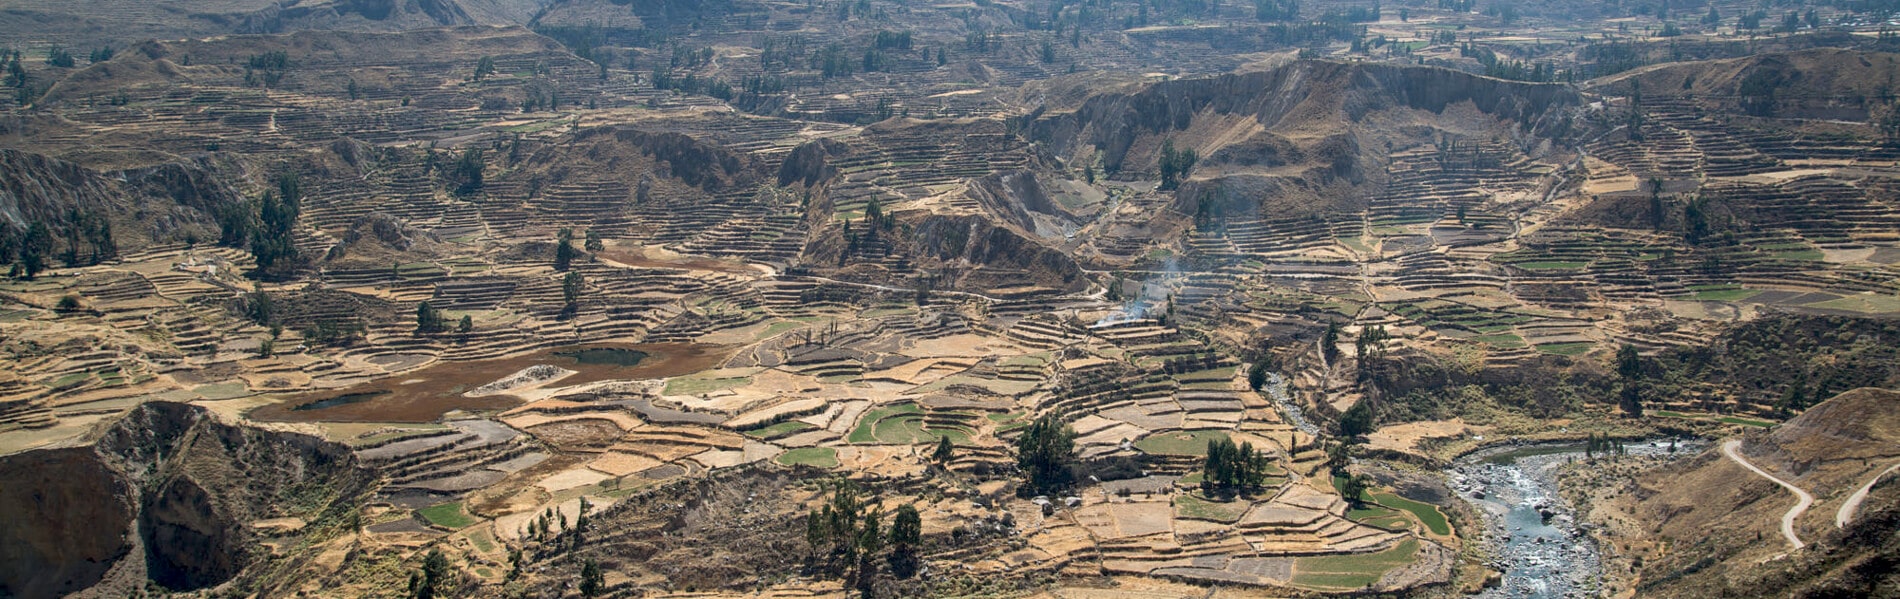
[1853,501]
[1730,448]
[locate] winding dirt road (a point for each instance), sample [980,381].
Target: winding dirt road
[1730,448]
[1846,514]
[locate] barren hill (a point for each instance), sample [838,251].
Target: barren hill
[1716,521]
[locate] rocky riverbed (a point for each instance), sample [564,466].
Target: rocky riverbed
[1532,535]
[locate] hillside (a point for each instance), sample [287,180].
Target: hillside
[1705,525]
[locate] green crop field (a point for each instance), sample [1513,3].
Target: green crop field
[1179,442]
[1565,349]
[822,457]
[1191,506]
[902,423]
[1348,572]
[779,430]
[1427,513]
[448,515]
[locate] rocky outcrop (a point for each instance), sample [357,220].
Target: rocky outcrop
[378,238]
[167,493]
[166,202]
[809,163]
[67,520]
[1310,97]
[627,152]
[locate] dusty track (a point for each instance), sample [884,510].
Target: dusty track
[1852,505]
[1787,520]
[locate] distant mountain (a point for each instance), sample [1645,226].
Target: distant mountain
[94,23]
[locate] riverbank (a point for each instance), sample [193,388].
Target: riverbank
[1533,533]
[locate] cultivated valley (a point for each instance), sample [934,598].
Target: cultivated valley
[1010,298]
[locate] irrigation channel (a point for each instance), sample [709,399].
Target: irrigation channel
[1532,534]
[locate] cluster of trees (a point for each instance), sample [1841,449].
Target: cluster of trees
[86,233]
[429,320]
[846,537]
[1603,444]
[273,239]
[24,90]
[466,176]
[1789,362]
[1276,10]
[536,97]
[832,61]
[1233,468]
[334,332]
[1630,373]
[484,67]
[1356,14]
[266,227]
[435,579]
[876,220]
[777,53]
[564,252]
[16,71]
[1535,72]
[266,69]
[1368,350]
[59,57]
[692,84]
[1209,212]
[1046,454]
[1175,165]
[891,40]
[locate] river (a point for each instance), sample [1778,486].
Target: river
[1533,535]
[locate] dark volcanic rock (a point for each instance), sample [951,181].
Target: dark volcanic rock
[169,487]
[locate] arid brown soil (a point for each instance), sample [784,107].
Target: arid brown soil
[427,394]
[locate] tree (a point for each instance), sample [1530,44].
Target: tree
[484,67]
[843,533]
[35,246]
[1353,488]
[945,450]
[564,251]
[1276,10]
[1329,343]
[592,581]
[1357,420]
[1368,349]
[1338,456]
[59,57]
[594,243]
[1229,468]
[433,580]
[907,530]
[1655,200]
[1045,451]
[1175,165]
[258,306]
[1629,367]
[428,320]
[466,326]
[1257,374]
[571,293]
[273,241]
[571,287]
[1886,117]
[468,171]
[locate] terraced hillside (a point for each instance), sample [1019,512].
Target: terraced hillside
[661,298]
